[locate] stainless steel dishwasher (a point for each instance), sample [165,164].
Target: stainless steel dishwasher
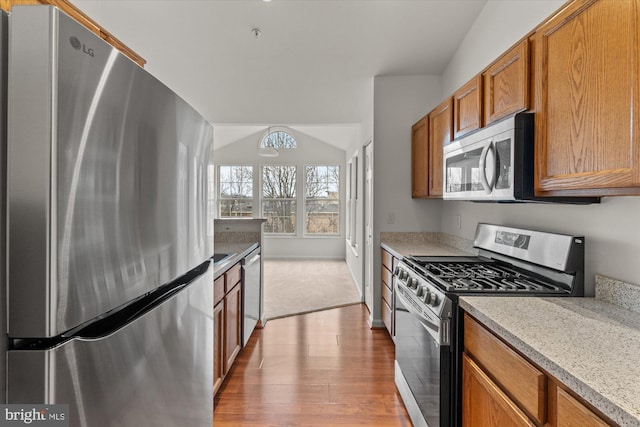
[251,267]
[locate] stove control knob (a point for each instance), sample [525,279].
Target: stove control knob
[413,283]
[433,299]
[396,271]
[404,275]
[419,291]
[426,295]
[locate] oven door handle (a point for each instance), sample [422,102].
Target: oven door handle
[488,186]
[432,328]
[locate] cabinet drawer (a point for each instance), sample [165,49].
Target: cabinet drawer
[522,381]
[387,277]
[484,404]
[570,412]
[234,274]
[218,290]
[387,316]
[387,260]
[387,295]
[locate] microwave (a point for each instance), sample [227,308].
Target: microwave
[495,164]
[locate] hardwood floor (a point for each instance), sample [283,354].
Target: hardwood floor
[319,369]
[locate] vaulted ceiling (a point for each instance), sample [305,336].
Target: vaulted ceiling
[313,62]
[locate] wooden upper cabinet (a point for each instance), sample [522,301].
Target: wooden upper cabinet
[420,158]
[467,107]
[506,84]
[587,93]
[73,11]
[440,134]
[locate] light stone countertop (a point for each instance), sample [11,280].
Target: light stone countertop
[430,244]
[591,346]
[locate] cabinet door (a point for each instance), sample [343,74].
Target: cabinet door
[587,95]
[218,346]
[484,404]
[524,382]
[567,411]
[420,159]
[506,84]
[233,325]
[440,134]
[467,107]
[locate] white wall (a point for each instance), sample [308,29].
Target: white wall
[611,228]
[310,151]
[354,256]
[399,102]
[498,27]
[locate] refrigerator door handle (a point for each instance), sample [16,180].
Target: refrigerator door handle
[116,319]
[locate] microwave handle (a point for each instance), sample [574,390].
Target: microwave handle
[488,187]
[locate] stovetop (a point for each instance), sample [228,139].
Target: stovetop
[479,275]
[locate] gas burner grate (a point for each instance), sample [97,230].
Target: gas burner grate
[484,276]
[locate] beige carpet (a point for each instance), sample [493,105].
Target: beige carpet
[301,286]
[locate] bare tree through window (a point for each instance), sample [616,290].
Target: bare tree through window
[322,199]
[279,199]
[236,191]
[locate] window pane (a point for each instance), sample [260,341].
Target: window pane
[323,216]
[236,191]
[279,182]
[280,216]
[279,139]
[322,204]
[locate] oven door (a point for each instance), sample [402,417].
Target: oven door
[480,167]
[423,363]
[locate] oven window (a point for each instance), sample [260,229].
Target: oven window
[463,172]
[425,366]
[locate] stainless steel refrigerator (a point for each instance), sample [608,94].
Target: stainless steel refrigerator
[110,303]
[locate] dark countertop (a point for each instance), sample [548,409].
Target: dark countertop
[240,250]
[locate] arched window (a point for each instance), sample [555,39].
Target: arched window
[278,138]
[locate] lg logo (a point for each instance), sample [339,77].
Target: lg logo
[77,45]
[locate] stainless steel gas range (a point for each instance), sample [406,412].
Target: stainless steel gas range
[429,340]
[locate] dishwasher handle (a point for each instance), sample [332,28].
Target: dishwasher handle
[252,259]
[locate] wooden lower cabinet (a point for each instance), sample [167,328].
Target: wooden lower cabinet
[233,325]
[386,303]
[227,320]
[484,403]
[218,346]
[567,411]
[500,387]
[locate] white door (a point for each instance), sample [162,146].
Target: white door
[368,226]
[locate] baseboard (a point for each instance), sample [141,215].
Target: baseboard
[355,283]
[375,323]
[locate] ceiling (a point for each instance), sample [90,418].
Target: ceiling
[312,65]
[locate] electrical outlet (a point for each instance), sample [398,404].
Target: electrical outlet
[391,218]
[458,222]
